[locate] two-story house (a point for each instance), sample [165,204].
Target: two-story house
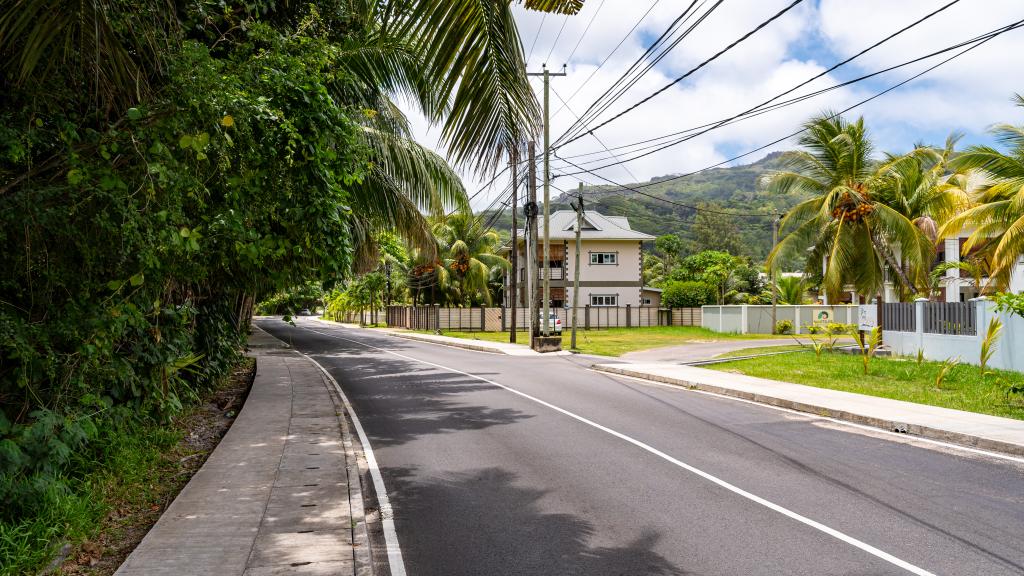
[610,268]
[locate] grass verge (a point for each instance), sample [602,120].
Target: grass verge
[898,378]
[112,501]
[618,341]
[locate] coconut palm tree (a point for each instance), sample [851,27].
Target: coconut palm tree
[791,290]
[469,257]
[846,222]
[997,215]
[919,186]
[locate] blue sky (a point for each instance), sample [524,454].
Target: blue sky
[967,95]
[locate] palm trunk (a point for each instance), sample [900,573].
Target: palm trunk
[895,266]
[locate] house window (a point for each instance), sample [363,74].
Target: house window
[647,301]
[604,257]
[604,300]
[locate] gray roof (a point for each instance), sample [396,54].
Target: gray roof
[596,226]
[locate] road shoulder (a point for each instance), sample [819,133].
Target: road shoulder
[979,431]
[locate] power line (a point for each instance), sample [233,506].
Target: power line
[606,58]
[585,30]
[624,82]
[535,37]
[748,114]
[635,188]
[557,36]
[599,141]
[666,200]
[809,80]
[736,42]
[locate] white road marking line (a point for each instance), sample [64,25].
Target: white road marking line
[709,477]
[396,564]
[387,521]
[904,437]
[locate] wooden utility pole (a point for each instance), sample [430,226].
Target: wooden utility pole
[547,74]
[576,267]
[531,249]
[514,160]
[771,273]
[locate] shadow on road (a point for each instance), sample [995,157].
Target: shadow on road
[480,522]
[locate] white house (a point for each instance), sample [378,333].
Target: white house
[610,267]
[957,285]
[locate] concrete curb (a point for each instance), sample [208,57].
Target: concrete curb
[910,428]
[361,551]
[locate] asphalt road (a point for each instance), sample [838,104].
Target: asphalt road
[538,466]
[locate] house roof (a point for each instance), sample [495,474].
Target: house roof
[596,226]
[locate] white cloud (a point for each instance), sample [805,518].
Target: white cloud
[966,95]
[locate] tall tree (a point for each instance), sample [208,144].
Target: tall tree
[470,257]
[846,222]
[997,214]
[716,231]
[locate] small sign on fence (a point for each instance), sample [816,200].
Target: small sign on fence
[867,317]
[821,316]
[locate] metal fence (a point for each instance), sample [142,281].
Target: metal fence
[483,319]
[899,317]
[950,318]
[954,318]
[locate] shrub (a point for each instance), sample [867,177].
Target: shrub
[837,329]
[1013,303]
[688,294]
[783,327]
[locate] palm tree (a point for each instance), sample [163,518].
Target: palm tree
[918,186]
[997,215]
[460,62]
[846,222]
[469,257]
[791,290]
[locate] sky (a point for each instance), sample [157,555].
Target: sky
[967,95]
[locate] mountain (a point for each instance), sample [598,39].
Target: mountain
[733,190]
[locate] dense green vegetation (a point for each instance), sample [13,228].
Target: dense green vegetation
[165,166]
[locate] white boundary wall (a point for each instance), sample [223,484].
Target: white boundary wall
[757,319]
[1009,354]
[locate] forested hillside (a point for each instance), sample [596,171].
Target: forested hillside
[732,189]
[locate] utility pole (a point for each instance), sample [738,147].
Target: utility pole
[531,252]
[576,267]
[547,194]
[514,160]
[771,271]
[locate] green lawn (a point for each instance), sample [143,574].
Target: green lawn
[618,341]
[896,378]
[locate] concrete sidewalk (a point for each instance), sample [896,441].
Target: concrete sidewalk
[966,428]
[279,495]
